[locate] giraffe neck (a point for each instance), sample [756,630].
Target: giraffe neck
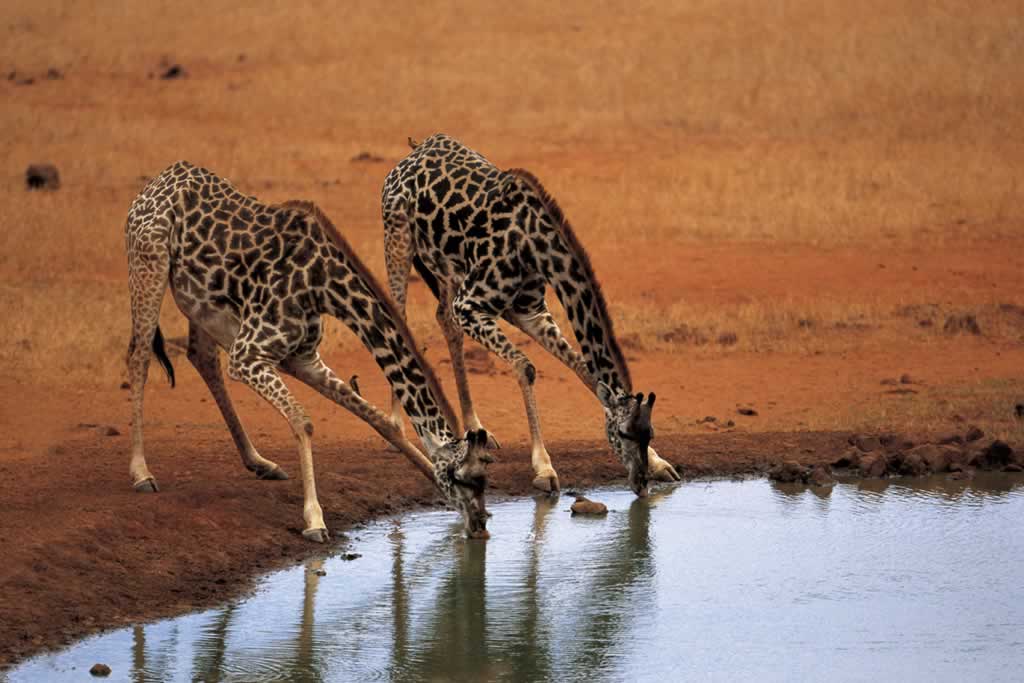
[351,294]
[568,271]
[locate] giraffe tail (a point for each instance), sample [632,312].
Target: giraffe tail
[427,277]
[161,355]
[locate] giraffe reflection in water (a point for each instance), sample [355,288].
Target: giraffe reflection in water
[442,620]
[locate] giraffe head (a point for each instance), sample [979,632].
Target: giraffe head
[460,469]
[629,430]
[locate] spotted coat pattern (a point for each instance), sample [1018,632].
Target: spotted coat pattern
[489,243]
[256,280]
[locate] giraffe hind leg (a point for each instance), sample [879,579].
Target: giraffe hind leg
[453,336]
[203,354]
[148,270]
[398,257]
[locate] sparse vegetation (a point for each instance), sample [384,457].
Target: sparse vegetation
[695,147]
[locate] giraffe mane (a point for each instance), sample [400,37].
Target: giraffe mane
[574,245]
[433,383]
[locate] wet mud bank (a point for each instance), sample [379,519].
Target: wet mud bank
[84,554]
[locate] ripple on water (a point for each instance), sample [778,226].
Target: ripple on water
[734,580]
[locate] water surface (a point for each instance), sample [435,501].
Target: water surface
[914,579]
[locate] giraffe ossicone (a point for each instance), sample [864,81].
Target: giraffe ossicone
[488,243]
[255,280]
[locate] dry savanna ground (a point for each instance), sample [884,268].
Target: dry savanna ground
[814,210]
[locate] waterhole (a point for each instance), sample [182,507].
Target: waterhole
[912,579]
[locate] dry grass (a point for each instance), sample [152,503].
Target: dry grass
[989,404]
[664,124]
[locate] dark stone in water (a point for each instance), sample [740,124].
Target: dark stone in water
[997,456]
[913,465]
[822,476]
[788,472]
[100,670]
[348,557]
[873,465]
[935,458]
[582,506]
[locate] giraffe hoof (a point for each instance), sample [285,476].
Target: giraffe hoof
[546,482]
[147,485]
[274,474]
[316,535]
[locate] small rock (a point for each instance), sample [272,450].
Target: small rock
[109,431]
[913,465]
[822,476]
[1013,467]
[995,457]
[961,474]
[906,379]
[747,411]
[126,385]
[728,338]
[1018,410]
[850,458]
[582,506]
[100,670]
[54,74]
[872,465]
[174,71]
[42,177]
[348,557]
[973,434]
[949,439]
[366,157]
[956,324]
[935,458]
[865,443]
[788,472]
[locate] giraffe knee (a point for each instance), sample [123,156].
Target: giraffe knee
[527,371]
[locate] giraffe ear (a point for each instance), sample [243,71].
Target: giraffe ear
[605,395]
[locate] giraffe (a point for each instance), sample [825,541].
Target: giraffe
[255,280]
[488,243]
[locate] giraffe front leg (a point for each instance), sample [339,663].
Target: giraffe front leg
[315,373]
[260,376]
[481,324]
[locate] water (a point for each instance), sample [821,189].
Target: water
[910,579]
